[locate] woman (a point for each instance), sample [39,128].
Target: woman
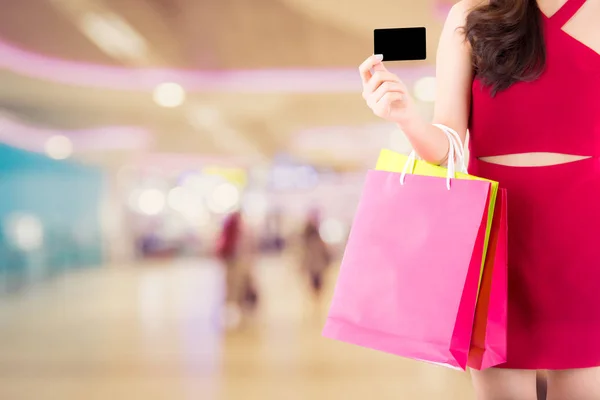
[524,78]
[236,249]
[316,256]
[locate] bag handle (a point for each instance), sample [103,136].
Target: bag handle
[456,149]
[459,148]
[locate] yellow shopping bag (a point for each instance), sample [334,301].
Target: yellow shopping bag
[394,162]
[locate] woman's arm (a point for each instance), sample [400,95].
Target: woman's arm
[388,97]
[454,77]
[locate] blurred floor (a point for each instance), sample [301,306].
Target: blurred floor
[149,333]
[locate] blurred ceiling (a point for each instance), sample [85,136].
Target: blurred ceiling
[284,38]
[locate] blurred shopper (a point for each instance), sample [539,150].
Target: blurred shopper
[236,247]
[316,255]
[518,75]
[274,231]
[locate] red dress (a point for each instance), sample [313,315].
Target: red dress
[553,211]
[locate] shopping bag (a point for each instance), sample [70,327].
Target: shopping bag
[394,162]
[488,342]
[409,277]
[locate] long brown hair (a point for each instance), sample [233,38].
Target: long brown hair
[507,42]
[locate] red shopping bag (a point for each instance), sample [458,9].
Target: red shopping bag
[409,278]
[488,343]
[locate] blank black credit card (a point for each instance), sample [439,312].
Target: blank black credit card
[401,44]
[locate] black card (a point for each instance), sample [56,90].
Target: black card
[401,44]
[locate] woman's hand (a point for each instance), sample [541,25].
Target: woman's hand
[385,93]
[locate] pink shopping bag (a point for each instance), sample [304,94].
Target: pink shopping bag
[488,342]
[409,277]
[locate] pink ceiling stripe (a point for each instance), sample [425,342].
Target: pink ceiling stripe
[33,138]
[74,73]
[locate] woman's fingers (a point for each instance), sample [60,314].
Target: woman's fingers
[365,68]
[377,79]
[385,87]
[383,107]
[381,88]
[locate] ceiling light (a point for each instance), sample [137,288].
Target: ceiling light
[169,95]
[114,36]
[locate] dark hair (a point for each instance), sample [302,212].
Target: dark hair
[507,42]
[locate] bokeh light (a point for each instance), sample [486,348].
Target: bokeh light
[198,217]
[59,147]
[332,231]
[224,198]
[178,199]
[151,201]
[204,117]
[200,185]
[255,205]
[25,231]
[425,89]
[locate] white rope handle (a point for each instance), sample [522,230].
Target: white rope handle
[459,148]
[456,149]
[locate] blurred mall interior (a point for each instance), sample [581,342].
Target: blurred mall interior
[131,134]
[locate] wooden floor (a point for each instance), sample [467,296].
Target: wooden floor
[149,332]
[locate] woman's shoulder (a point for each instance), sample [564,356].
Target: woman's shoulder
[466,6]
[459,13]
[461,10]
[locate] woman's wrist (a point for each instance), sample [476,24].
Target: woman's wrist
[429,141]
[412,124]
